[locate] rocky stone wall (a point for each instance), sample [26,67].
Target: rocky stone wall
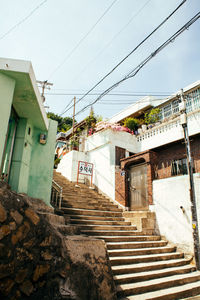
[39,262]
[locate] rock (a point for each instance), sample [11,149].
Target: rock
[40,271]
[32,216]
[27,287]
[3,214]
[16,216]
[4,230]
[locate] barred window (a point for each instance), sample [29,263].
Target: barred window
[179,167]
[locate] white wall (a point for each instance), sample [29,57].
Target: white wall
[100,149]
[168,195]
[68,165]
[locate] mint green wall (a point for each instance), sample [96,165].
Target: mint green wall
[41,164]
[7,86]
[19,174]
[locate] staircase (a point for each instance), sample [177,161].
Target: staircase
[144,266]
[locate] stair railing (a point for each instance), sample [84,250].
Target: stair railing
[56,194]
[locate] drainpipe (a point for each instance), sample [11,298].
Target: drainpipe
[195,226]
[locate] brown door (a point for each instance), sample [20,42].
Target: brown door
[138,187]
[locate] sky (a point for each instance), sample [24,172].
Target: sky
[73,44]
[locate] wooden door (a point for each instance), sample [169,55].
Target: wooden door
[138,187]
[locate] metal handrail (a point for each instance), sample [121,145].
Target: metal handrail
[56,191]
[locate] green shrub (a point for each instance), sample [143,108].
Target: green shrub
[131,123]
[152,116]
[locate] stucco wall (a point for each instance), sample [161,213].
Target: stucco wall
[7,86]
[101,152]
[68,166]
[41,165]
[169,195]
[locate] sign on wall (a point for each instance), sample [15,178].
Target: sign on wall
[85,168]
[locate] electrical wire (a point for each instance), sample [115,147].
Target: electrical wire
[142,42]
[23,20]
[134,72]
[81,40]
[66,106]
[115,36]
[112,94]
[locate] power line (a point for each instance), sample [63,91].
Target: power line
[23,20]
[142,42]
[112,94]
[115,36]
[63,111]
[81,40]
[144,62]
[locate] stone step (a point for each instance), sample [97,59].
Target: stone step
[123,260]
[150,266]
[173,293]
[99,222]
[157,284]
[95,218]
[135,245]
[108,228]
[91,212]
[137,238]
[53,218]
[70,193]
[90,206]
[142,251]
[112,232]
[143,276]
[80,201]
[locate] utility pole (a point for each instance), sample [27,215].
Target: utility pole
[73,116]
[44,85]
[184,123]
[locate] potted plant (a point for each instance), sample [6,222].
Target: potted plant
[153,116]
[74,143]
[131,123]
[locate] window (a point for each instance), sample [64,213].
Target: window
[179,167]
[167,110]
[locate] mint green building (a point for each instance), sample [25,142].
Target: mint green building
[27,136]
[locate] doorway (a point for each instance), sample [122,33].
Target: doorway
[9,146]
[138,196]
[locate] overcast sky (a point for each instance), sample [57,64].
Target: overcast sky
[65,46]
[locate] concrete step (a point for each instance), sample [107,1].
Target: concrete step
[123,260]
[143,276]
[108,228]
[112,232]
[128,238]
[90,206]
[135,245]
[143,251]
[157,284]
[53,218]
[150,266]
[84,194]
[86,200]
[99,222]
[173,293]
[95,218]
[91,212]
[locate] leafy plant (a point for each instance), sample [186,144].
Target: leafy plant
[152,116]
[64,124]
[131,123]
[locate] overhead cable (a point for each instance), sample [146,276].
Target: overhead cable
[23,20]
[81,40]
[142,42]
[133,73]
[115,36]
